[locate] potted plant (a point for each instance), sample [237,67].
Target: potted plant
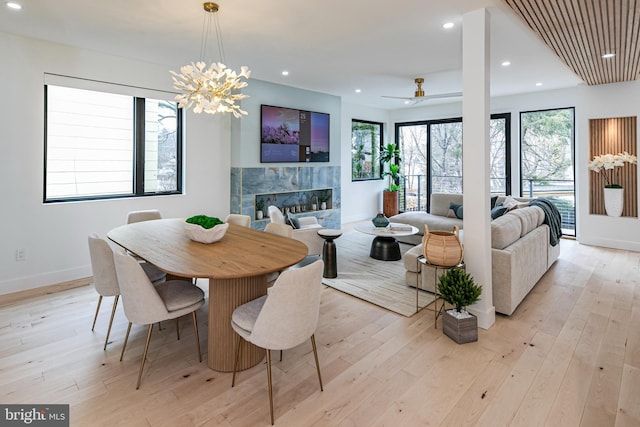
[259,209]
[458,288]
[324,198]
[390,157]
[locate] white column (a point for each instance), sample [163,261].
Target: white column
[475,158]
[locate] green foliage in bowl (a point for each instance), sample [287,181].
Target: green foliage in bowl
[205,221]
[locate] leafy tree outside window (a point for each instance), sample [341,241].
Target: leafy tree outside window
[366,138]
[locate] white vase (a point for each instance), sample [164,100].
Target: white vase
[323,205]
[259,214]
[613,201]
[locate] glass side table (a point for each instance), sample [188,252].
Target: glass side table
[437,270]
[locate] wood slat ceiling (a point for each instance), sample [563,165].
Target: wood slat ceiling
[581,31]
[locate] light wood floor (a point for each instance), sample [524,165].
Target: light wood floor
[569,356]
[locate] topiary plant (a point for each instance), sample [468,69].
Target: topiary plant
[458,288]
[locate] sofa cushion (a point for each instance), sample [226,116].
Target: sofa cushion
[528,217]
[440,203]
[505,230]
[419,219]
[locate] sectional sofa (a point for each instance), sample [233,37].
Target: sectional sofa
[521,254]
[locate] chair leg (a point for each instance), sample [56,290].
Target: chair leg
[144,355]
[126,338]
[96,316]
[178,327]
[113,313]
[235,364]
[195,329]
[315,355]
[281,355]
[270,384]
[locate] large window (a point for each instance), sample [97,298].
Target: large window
[105,145]
[432,159]
[547,145]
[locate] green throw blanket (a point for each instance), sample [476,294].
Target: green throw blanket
[551,217]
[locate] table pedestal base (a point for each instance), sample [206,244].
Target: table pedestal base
[385,249]
[226,295]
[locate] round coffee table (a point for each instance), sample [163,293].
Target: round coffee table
[329,251]
[385,247]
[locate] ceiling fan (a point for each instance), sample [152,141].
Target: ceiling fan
[420,96]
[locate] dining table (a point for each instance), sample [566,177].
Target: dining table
[236,267]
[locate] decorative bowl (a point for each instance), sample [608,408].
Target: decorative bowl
[205,235]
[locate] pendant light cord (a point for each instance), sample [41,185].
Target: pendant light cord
[206,35]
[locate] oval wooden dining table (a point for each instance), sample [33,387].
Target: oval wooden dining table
[236,266]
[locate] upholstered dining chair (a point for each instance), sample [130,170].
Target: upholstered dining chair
[146,304]
[144,215]
[241,220]
[105,279]
[284,318]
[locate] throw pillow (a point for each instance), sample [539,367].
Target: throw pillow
[295,222]
[510,202]
[494,199]
[457,210]
[498,211]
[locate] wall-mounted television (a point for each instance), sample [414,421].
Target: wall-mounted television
[290,135]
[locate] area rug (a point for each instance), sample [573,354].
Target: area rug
[379,282]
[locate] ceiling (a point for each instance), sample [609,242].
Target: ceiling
[330,46]
[581,31]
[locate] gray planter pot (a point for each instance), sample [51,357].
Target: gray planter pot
[460,330]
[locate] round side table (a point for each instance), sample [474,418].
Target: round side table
[329,252]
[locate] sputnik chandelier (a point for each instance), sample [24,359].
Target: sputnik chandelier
[213,89]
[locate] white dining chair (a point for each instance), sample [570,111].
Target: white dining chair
[237,219]
[105,279]
[284,318]
[146,304]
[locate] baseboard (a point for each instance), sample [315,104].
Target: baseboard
[43,290]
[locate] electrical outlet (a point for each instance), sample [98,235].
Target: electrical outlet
[21,254]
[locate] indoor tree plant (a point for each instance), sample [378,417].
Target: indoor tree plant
[390,156]
[613,191]
[458,288]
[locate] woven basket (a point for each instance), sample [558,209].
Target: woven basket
[442,248]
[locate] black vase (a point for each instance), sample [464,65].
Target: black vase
[380,220]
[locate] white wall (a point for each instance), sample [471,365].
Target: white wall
[55,235]
[598,102]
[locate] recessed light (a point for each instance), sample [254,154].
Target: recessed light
[447,25]
[608,55]
[358,90]
[285,73]
[407,102]
[505,63]
[13,5]
[539,84]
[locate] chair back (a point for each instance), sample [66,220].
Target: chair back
[237,219]
[283,230]
[105,279]
[147,215]
[142,304]
[275,215]
[290,313]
